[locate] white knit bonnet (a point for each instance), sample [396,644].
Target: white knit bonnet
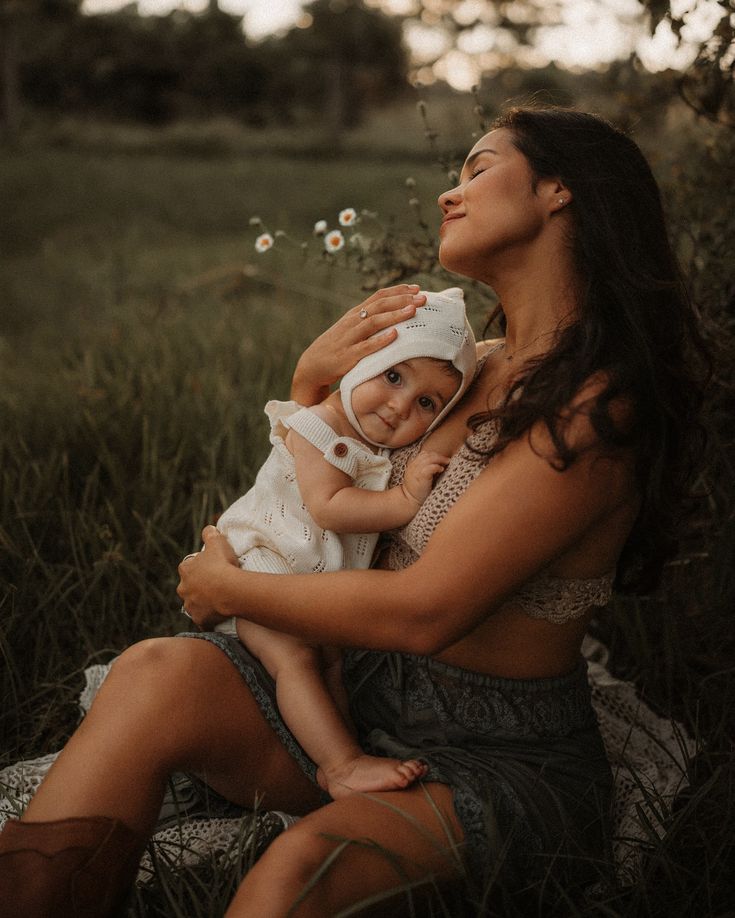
[439,329]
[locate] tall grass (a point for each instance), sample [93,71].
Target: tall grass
[108,472]
[136,355]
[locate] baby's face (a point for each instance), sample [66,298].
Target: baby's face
[399,406]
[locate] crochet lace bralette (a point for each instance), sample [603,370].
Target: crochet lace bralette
[555,599]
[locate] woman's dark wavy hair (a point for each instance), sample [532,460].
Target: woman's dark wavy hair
[636,327]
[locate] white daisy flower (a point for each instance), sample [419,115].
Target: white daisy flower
[347,216]
[263,242]
[334,241]
[320,227]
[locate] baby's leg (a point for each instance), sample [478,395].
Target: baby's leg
[332,673]
[262,560]
[311,714]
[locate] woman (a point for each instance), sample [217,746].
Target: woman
[571,453]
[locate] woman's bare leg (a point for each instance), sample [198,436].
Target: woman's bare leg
[311,714]
[170,704]
[398,838]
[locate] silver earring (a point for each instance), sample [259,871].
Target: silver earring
[561,201]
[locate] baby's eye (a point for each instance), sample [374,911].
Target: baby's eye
[393,376]
[427,403]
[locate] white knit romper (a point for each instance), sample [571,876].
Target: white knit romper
[270,528]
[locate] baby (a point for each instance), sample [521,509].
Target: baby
[319,502]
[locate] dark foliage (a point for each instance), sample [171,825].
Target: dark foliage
[156,68]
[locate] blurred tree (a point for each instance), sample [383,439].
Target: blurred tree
[511,23]
[9,64]
[151,68]
[348,59]
[708,86]
[20,21]
[117,64]
[155,68]
[219,71]
[518,18]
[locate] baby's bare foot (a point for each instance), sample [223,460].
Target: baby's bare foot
[369,773]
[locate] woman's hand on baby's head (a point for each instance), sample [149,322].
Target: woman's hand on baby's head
[418,478]
[351,338]
[384,308]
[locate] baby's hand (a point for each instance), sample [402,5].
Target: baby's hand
[419,476]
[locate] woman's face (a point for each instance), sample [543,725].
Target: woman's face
[493,212]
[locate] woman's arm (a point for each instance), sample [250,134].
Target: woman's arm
[350,339]
[516,518]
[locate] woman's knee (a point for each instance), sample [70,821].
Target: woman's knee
[309,850]
[291,864]
[160,691]
[301,850]
[321,873]
[158,669]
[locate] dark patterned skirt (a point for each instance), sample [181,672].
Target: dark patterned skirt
[530,781]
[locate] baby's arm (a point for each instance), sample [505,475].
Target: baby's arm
[335,503]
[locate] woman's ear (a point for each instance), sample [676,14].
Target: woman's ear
[556,195]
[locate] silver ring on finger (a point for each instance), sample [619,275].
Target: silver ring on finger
[363,313]
[192,555]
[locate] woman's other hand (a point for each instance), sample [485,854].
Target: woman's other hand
[200,575]
[350,339]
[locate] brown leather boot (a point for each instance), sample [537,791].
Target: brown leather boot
[80,868]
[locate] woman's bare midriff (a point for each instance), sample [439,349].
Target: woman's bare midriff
[512,645]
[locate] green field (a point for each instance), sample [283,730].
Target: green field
[140,336]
